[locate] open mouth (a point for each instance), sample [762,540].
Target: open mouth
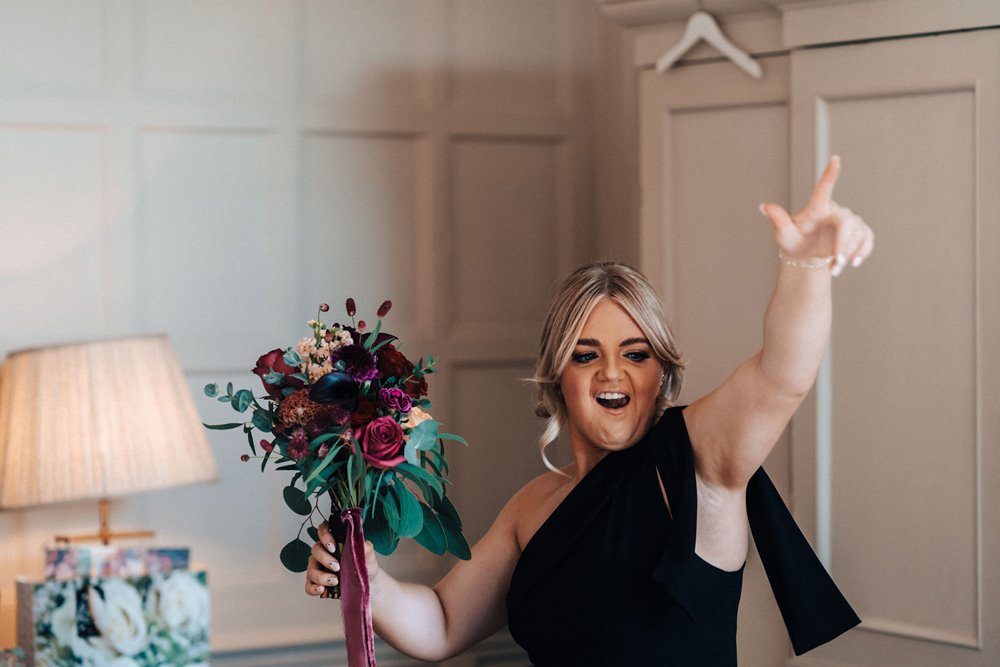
[613,399]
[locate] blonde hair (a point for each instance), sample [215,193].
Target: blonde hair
[574,299]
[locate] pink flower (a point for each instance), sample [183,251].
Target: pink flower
[381,442]
[395,399]
[298,446]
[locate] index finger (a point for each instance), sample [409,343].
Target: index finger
[824,186]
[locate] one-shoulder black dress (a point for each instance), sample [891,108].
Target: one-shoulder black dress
[611,578]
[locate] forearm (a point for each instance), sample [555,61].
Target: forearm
[409,617]
[796,328]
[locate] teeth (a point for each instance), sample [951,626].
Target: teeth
[611,395]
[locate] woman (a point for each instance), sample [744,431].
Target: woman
[633,554]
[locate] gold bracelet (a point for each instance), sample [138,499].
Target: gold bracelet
[811,263]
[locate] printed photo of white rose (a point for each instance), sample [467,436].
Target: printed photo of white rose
[180,602]
[118,616]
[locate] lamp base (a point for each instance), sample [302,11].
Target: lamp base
[105,535]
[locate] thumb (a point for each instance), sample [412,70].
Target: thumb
[778,216]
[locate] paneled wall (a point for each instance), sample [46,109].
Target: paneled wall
[213,169]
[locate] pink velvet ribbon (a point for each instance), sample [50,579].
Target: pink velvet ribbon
[355,593]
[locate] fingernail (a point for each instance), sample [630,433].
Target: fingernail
[835,157]
[841,259]
[837,268]
[332,581]
[330,547]
[857,262]
[760,207]
[335,566]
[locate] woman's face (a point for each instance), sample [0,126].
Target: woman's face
[611,382]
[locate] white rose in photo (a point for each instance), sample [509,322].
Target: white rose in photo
[123,661]
[119,618]
[63,621]
[181,603]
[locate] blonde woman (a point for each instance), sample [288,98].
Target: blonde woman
[634,553]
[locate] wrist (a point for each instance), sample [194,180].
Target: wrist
[804,262]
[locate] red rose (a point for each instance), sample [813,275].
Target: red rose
[381,442]
[275,359]
[392,363]
[364,413]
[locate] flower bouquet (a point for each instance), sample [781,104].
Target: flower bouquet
[345,413]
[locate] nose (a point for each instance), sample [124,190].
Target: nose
[611,369]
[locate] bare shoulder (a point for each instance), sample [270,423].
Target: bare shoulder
[528,509]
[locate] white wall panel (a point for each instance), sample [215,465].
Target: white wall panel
[505,55]
[354,50]
[903,408]
[213,47]
[205,237]
[52,222]
[49,44]
[495,413]
[504,211]
[361,226]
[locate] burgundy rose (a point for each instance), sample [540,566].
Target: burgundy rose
[275,360]
[392,363]
[359,363]
[395,399]
[381,442]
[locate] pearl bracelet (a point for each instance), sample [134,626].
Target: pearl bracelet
[811,263]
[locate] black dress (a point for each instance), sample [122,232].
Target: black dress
[611,579]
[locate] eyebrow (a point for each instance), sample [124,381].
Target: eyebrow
[593,342]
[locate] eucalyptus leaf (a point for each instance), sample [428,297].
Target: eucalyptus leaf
[263,462]
[424,435]
[292,357]
[261,420]
[274,377]
[300,376]
[313,533]
[452,436]
[446,508]
[223,427]
[431,535]
[242,399]
[420,475]
[297,501]
[411,517]
[229,388]
[390,505]
[376,531]
[457,544]
[295,555]
[211,390]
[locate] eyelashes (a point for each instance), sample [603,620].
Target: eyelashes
[636,356]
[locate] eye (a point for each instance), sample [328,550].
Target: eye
[584,357]
[637,355]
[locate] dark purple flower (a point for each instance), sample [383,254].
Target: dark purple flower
[351,308]
[324,307]
[245,458]
[383,310]
[359,363]
[266,446]
[395,399]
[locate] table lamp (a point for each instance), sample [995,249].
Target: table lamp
[97,420]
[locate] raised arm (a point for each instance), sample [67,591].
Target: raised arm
[734,428]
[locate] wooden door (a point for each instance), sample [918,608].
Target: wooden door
[896,464]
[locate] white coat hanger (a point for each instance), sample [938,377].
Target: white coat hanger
[701,26]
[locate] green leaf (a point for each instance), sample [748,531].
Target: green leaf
[382,344]
[370,339]
[327,460]
[292,357]
[452,436]
[446,508]
[376,531]
[241,400]
[457,544]
[411,518]
[229,389]
[212,390]
[263,462]
[431,535]
[261,420]
[421,475]
[300,376]
[297,501]
[222,427]
[289,466]
[295,555]
[390,505]
[320,439]
[313,533]
[424,435]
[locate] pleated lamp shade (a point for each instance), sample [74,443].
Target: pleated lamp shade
[97,420]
